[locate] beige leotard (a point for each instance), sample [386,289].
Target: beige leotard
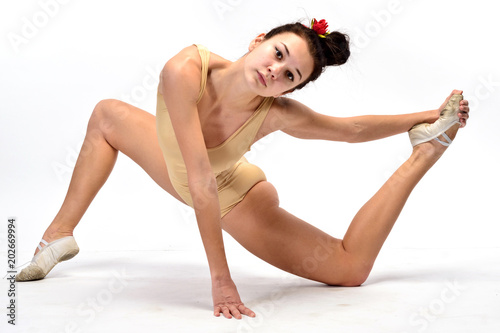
[234,174]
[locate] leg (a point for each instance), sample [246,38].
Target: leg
[114,126]
[373,223]
[287,242]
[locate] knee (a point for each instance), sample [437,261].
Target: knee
[109,108]
[106,113]
[264,195]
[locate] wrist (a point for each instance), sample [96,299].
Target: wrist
[221,280]
[221,275]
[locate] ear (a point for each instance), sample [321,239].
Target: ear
[256,41]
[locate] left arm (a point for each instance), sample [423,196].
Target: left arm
[299,121]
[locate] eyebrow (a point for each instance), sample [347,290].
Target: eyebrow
[288,54]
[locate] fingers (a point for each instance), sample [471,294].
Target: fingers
[246,311]
[463,120]
[235,312]
[464,105]
[464,112]
[224,310]
[230,311]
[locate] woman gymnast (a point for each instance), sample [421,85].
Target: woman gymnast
[209,112]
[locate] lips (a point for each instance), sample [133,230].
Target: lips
[262,79]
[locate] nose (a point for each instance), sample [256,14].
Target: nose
[275,70]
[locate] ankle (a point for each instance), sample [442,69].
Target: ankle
[52,234]
[428,152]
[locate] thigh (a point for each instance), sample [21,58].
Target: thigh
[285,241]
[133,132]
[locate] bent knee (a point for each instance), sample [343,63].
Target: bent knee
[107,112]
[111,108]
[263,194]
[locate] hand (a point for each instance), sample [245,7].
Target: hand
[463,115]
[227,300]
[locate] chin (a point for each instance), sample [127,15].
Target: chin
[262,91]
[263,94]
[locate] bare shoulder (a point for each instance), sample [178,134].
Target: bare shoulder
[187,56]
[181,75]
[189,59]
[287,113]
[300,121]
[183,71]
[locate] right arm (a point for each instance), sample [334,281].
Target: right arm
[180,85]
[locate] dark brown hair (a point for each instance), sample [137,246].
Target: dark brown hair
[333,50]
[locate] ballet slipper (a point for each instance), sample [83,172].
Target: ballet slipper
[424,132]
[50,255]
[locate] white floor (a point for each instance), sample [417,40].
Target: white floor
[438,290]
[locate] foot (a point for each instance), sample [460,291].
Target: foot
[47,257]
[463,110]
[453,114]
[434,148]
[50,235]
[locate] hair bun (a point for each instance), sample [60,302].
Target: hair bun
[335,48]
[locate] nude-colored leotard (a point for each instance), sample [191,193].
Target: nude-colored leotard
[234,175]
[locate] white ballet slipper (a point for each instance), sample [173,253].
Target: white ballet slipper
[449,116]
[50,255]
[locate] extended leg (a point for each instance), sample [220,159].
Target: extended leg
[373,223]
[289,243]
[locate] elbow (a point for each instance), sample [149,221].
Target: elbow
[201,180]
[203,190]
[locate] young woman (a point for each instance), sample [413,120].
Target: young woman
[209,112]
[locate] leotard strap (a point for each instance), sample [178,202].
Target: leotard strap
[205,58]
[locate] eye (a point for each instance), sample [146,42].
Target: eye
[290,76]
[279,55]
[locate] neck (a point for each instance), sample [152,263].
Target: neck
[231,88]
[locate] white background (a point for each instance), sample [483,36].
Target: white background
[59,59]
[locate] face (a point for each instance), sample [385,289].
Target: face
[277,65]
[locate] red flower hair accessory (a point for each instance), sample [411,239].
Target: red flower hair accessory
[321,27]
